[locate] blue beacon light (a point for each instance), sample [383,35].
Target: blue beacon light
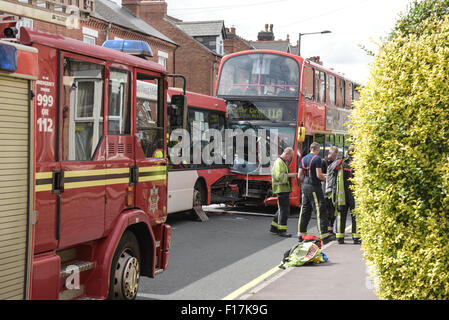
[8,58]
[134,47]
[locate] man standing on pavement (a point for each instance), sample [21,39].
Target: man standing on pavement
[348,204]
[280,178]
[310,174]
[331,156]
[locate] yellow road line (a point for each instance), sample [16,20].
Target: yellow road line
[251,284]
[260,278]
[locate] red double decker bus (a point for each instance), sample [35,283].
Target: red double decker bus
[299,98]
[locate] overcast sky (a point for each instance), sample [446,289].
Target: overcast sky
[352,23]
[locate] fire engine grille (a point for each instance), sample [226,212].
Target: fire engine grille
[14,185]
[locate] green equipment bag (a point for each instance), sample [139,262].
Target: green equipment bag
[301,254]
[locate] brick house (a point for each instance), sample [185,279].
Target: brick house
[111,21]
[200,43]
[234,43]
[266,41]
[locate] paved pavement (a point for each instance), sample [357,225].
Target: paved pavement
[343,277]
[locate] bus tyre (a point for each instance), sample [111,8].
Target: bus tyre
[198,194]
[125,269]
[197,200]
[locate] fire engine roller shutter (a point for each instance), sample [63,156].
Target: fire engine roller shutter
[14,186]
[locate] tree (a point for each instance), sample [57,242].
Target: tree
[401,133]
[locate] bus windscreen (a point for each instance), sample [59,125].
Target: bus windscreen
[259,74]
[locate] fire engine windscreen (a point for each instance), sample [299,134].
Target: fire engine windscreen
[259,74]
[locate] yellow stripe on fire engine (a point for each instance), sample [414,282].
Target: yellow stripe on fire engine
[44,175]
[99,172]
[43,187]
[162,170]
[153,178]
[95,172]
[84,184]
[151,169]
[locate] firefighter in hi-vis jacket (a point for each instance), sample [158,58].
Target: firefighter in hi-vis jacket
[280,178]
[345,200]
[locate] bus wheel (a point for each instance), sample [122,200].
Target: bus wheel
[198,194]
[125,269]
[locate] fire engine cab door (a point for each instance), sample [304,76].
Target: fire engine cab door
[151,162]
[82,180]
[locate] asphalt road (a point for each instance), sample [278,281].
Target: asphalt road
[211,259]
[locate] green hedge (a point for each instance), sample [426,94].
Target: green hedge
[401,132]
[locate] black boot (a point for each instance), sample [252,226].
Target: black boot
[328,239]
[284,234]
[273,229]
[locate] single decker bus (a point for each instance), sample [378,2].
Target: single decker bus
[190,185]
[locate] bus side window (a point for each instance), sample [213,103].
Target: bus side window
[348,140]
[308,82]
[320,139]
[306,145]
[322,87]
[329,141]
[83,87]
[332,90]
[340,145]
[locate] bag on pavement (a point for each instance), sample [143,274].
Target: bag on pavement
[312,238]
[301,254]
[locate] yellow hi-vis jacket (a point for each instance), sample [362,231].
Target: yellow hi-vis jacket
[279,177]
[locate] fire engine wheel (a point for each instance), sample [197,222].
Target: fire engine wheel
[125,269]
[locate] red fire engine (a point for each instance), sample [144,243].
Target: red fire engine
[78,176]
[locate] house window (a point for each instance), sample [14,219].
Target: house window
[89,39]
[162,58]
[219,44]
[90,35]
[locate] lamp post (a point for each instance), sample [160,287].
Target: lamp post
[304,34]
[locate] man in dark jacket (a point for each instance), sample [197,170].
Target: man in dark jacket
[311,175]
